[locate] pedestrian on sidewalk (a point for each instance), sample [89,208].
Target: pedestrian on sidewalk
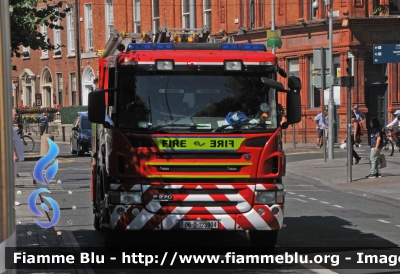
[396,123]
[18,148]
[376,137]
[353,141]
[44,118]
[321,123]
[359,117]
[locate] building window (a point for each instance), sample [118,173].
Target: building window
[185,14]
[73,88]
[88,27]
[26,52]
[136,16]
[207,13]
[313,12]
[314,93]
[70,31]
[260,13]
[57,37]
[156,15]
[109,18]
[60,88]
[43,30]
[294,67]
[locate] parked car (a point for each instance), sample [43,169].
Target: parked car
[81,135]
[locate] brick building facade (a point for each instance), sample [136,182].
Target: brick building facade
[355,30]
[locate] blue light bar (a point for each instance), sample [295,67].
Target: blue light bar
[150,46]
[243,47]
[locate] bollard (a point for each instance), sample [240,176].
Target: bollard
[63,133]
[44,145]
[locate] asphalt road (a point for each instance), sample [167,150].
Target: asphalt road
[315,216]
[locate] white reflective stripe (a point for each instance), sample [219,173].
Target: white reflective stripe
[252,63]
[9,242]
[260,187]
[243,206]
[279,216]
[145,187]
[114,186]
[200,63]
[136,187]
[224,186]
[153,206]
[141,219]
[199,198]
[173,218]
[114,218]
[199,187]
[173,186]
[256,220]
[146,63]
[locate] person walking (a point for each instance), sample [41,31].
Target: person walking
[44,118]
[396,123]
[359,117]
[321,125]
[18,148]
[376,136]
[353,133]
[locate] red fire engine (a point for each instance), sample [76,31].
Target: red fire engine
[188,136]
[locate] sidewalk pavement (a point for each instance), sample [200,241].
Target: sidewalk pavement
[333,172]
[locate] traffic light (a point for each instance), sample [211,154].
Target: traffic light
[348,80]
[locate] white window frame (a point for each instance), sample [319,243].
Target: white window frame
[43,30]
[109,5]
[28,50]
[70,31]
[185,14]
[73,84]
[207,13]
[57,37]
[59,83]
[136,16]
[89,28]
[155,17]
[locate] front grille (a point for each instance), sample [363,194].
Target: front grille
[170,156]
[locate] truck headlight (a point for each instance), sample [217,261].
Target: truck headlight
[270,197]
[127,198]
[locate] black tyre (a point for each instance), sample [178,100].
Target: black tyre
[263,238]
[388,149]
[81,152]
[28,143]
[73,151]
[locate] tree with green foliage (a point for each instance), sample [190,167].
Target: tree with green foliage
[26,19]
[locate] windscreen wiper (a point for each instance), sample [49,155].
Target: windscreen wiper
[190,126]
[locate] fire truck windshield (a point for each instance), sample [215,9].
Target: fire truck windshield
[192,103]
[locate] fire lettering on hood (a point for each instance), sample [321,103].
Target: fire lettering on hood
[199,143]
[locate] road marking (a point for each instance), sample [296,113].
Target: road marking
[313,199]
[338,206]
[319,269]
[302,196]
[324,202]
[296,199]
[291,193]
[383,221]
[398,225]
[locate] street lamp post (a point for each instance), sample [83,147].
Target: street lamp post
[331,102]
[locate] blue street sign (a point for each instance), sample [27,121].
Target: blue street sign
[386,53]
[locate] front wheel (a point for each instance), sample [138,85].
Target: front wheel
[263,238]
[28,143]
[388,149]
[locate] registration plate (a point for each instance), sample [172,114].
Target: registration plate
[199,224]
